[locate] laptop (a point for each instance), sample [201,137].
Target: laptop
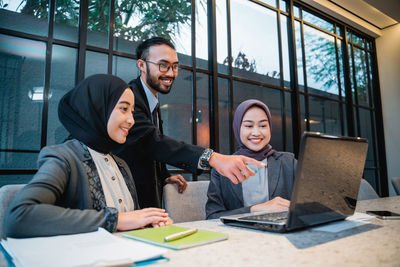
[328,177]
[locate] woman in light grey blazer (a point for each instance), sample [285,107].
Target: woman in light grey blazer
[271,188]
[80,185]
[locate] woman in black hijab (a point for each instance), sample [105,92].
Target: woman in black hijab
[80,185]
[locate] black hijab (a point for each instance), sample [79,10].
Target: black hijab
[84,111]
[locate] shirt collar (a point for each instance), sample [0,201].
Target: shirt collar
[152,99]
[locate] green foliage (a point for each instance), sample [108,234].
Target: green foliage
[36,8]
[155,18]
[134,20]
[321,60]
[67,12]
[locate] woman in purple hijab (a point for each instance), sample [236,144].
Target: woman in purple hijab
[271,188]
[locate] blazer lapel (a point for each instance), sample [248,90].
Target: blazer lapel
[237,191]
[143,96]
[274,169]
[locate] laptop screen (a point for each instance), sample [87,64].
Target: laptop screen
[328,177]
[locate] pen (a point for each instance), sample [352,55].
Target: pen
[180,235]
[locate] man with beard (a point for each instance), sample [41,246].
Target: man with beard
[147,150]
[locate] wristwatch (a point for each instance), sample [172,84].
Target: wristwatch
[205,157]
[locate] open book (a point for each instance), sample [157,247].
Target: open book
[99,248]
[156,236]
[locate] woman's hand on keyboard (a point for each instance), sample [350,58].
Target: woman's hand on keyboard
[277,204]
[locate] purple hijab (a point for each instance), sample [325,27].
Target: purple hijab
[237,122]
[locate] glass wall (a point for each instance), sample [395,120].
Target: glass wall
[246,51]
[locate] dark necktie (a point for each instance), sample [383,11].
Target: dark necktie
[155,116]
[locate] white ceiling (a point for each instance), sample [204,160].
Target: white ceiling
[379,13]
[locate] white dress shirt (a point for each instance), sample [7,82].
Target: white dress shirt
[116,192]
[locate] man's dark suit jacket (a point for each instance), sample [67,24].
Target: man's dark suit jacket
[147,150]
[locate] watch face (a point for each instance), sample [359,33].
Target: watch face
[205,158]
[204,163]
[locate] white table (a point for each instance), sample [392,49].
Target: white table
[373,244]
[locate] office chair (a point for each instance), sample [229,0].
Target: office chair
[188,206]
[366,191]
[396,184]
[7,194]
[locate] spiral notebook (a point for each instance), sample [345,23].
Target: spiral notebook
[156,236]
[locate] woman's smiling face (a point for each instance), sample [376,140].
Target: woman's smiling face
[255,132]
[121,118]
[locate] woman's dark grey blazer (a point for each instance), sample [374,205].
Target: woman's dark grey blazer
[65,196]
[226,198]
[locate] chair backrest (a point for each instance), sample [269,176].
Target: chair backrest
[396,184]
[188,206]
[7,194]
[366,191]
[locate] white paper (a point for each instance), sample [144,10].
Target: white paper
[99,248]
[353,221]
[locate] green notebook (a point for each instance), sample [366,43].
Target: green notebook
[156,236]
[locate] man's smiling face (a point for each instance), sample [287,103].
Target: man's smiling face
[156,80]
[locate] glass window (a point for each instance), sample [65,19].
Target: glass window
[353,90]
[202,112]
[358,40]
[62,80]
[222,37]
[125,68]
[360,63]
[344,112]
[19,160]
[348,34]
[95,63]
[18,16]
[178,104]
[317,21]
[255,60]
[125,27]
[356,121]
[299,56]
[338,30]
[136,21]
[289,125]
[321,64]
[272,98]
[341,68]
[282,5]
[15,178]
[224,116]
[201,34]
[303,113]
[98,21]
[66,20]
[269,2]
[22,93]
[296,11]
[371,77]
[324,116]
[366,132]
[285,52]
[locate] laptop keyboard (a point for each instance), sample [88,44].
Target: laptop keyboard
[272,217]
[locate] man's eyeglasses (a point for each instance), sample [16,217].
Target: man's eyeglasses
[164,67]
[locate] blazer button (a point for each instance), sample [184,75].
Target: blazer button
[113,178]
[120,201]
